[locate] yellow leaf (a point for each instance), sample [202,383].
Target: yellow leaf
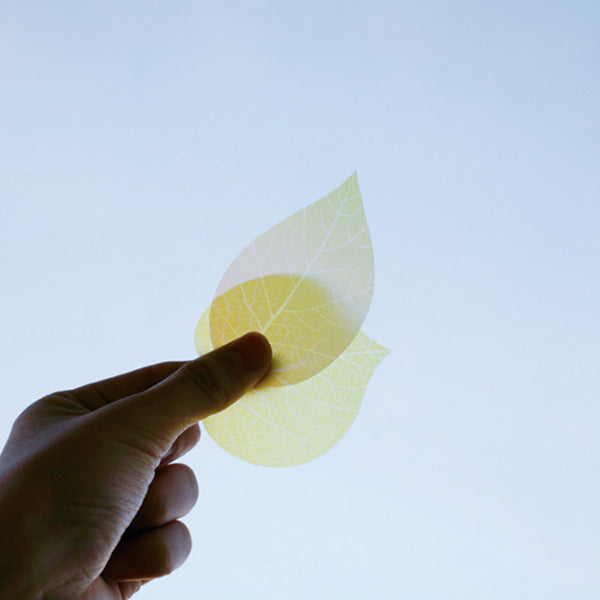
[306,284]
[308,333]
[276,426]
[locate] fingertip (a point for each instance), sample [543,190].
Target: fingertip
[254,350]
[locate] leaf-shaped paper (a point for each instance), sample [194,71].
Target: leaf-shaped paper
[276,426]
[306,284]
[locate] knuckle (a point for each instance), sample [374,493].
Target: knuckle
[32,412]
[189,480]
[129,588]
[166,563]
[175,548]
[160,508]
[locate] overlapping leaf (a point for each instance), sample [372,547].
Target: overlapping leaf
[284,426]
[307,285]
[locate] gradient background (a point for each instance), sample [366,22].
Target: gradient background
[143,145]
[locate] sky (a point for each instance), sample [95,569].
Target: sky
[144,145]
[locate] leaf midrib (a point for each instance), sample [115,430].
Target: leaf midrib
[307,269]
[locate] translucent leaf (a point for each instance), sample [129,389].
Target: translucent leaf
[276,426]
[306,284]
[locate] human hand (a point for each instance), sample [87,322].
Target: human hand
[89,499]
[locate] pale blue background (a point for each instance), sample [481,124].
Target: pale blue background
[142,145]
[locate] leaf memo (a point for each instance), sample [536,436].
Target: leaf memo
[307,284]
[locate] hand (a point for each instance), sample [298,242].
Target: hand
[89,499]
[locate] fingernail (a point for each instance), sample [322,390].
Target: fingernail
[254,349]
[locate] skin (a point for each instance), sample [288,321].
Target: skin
[89,494]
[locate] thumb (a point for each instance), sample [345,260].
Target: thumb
[198,389]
